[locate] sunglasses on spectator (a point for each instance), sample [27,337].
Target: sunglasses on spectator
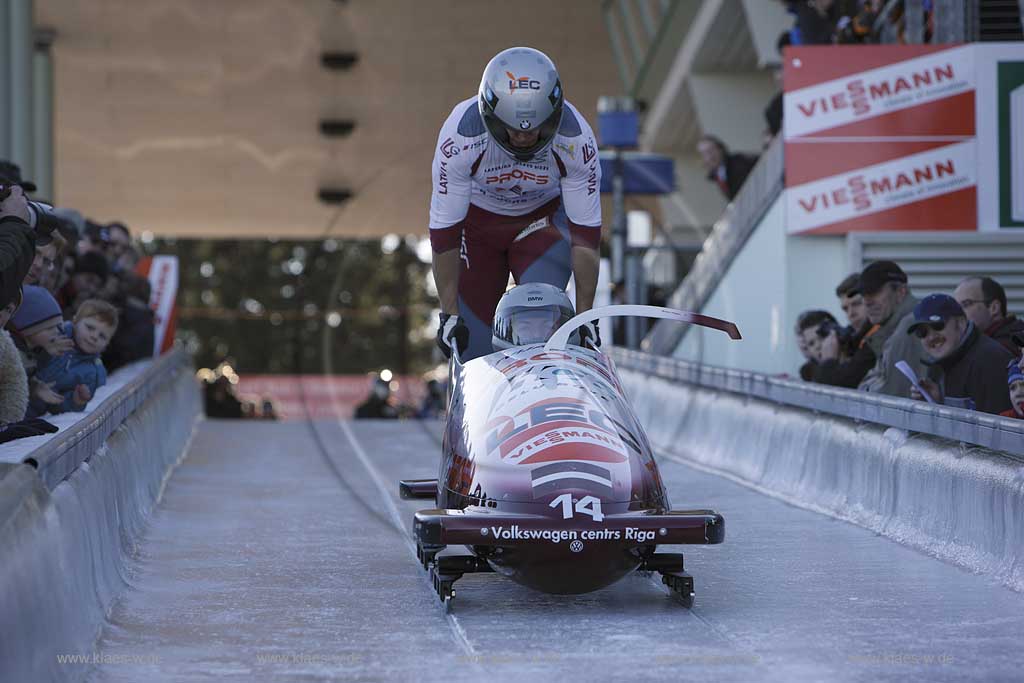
[921,331]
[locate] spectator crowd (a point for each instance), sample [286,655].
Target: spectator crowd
[853,22]
[962,350]
[815,22]
[73,308]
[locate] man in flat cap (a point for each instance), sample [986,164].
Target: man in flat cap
[890,305]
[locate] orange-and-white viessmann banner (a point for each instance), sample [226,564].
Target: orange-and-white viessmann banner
[880,138]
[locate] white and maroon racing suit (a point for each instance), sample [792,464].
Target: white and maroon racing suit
[511,216]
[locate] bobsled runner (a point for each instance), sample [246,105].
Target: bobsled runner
[547,477]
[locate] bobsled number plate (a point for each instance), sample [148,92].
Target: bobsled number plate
[456,527]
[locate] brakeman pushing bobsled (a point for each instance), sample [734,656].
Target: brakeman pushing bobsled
[516,183]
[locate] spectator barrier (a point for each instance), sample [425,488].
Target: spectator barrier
[949,482]
[68,529]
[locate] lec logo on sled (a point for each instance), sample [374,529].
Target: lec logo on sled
[521,83]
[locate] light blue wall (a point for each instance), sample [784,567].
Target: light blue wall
[772,279]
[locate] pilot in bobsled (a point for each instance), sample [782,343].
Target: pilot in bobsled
[546,475]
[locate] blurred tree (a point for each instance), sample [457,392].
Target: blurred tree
[244,300]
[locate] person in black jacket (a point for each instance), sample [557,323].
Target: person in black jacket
[134,338]
[221,401]
[815,21]
[808,342]
[966,369]
[844,356]
[378,405]
[773,112]
[17,242]
[727,170]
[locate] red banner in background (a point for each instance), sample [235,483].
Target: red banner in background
[162,273]
[297,397]
[880,138]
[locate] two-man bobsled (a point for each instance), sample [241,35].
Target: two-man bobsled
[546,475]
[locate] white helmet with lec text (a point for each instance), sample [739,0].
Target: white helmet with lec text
[521,91]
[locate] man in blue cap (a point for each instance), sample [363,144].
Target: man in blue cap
[966,369]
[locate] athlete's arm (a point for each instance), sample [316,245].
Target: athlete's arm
[446,277]
[449,202]
[586,262]
[581,197]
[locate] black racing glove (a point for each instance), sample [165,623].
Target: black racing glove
[590,336]
[452,330]
[25,428]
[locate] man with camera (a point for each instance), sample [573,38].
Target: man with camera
[17,242]
[844,356]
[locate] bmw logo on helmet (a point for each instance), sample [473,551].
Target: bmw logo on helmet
[524,124]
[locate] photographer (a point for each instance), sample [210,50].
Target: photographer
[49,247]
[844,356]
[17,242]
[809,342]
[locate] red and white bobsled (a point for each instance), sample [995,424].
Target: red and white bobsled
[548,478]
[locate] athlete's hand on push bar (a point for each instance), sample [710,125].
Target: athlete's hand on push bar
[452,330]
[590,336]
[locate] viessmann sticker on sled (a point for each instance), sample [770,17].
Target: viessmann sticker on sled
[561,419]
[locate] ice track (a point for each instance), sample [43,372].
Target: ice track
[267,560]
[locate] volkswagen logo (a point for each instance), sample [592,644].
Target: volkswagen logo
[576,546]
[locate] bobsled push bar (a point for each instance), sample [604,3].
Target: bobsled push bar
[561,336]
[486,528]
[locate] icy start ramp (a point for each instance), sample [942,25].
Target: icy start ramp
[277,553]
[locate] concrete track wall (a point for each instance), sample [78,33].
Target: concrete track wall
[64,553]
[964,504]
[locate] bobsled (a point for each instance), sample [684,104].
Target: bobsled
[547,477]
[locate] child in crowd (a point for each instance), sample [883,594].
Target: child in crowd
[76,375]
[1015,380]
[37,327]
[39,337]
